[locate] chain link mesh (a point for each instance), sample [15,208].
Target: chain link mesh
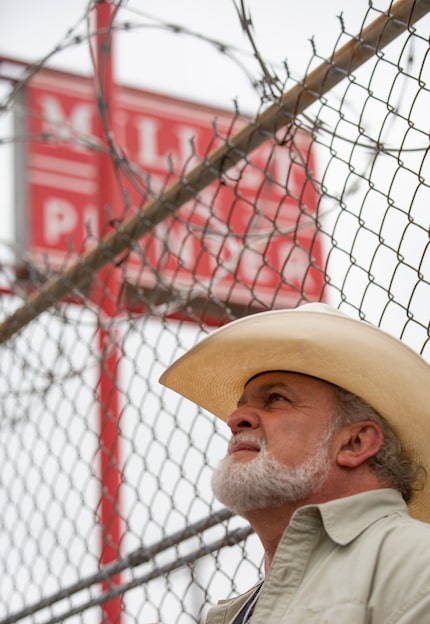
[105,487]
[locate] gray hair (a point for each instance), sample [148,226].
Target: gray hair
[391,463]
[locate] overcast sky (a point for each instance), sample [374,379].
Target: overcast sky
[151,58]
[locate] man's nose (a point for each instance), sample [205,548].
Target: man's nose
[242,418]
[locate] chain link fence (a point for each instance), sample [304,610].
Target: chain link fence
[107,510]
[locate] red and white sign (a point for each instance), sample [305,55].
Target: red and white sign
[219,241]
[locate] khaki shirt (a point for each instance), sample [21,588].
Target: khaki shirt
[355,560]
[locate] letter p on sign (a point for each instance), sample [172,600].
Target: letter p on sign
[61,219]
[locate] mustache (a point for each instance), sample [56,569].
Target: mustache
[245,438]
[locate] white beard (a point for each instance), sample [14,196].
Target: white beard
[263,482]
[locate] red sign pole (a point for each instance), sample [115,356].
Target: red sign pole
[107,293]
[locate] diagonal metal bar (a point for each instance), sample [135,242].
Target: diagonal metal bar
[232,538]
[138,557]
[353,54]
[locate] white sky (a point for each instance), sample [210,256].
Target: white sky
[152,59]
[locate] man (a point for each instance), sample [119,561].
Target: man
[330,449]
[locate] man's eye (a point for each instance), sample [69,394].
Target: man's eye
[274,397]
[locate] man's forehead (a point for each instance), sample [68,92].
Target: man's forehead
[261,385]
[283,375]
[268,379]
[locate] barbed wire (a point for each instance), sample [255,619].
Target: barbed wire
[325,77]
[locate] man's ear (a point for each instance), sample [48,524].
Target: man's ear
[358,442]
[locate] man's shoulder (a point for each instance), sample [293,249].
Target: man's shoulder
[401,575]
[402,532]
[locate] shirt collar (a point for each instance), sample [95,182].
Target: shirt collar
[345,518]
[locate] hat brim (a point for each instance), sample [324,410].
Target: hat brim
[320,341]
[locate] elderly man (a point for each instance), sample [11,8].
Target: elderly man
[330,449]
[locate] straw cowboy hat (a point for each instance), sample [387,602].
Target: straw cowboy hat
[318,340]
